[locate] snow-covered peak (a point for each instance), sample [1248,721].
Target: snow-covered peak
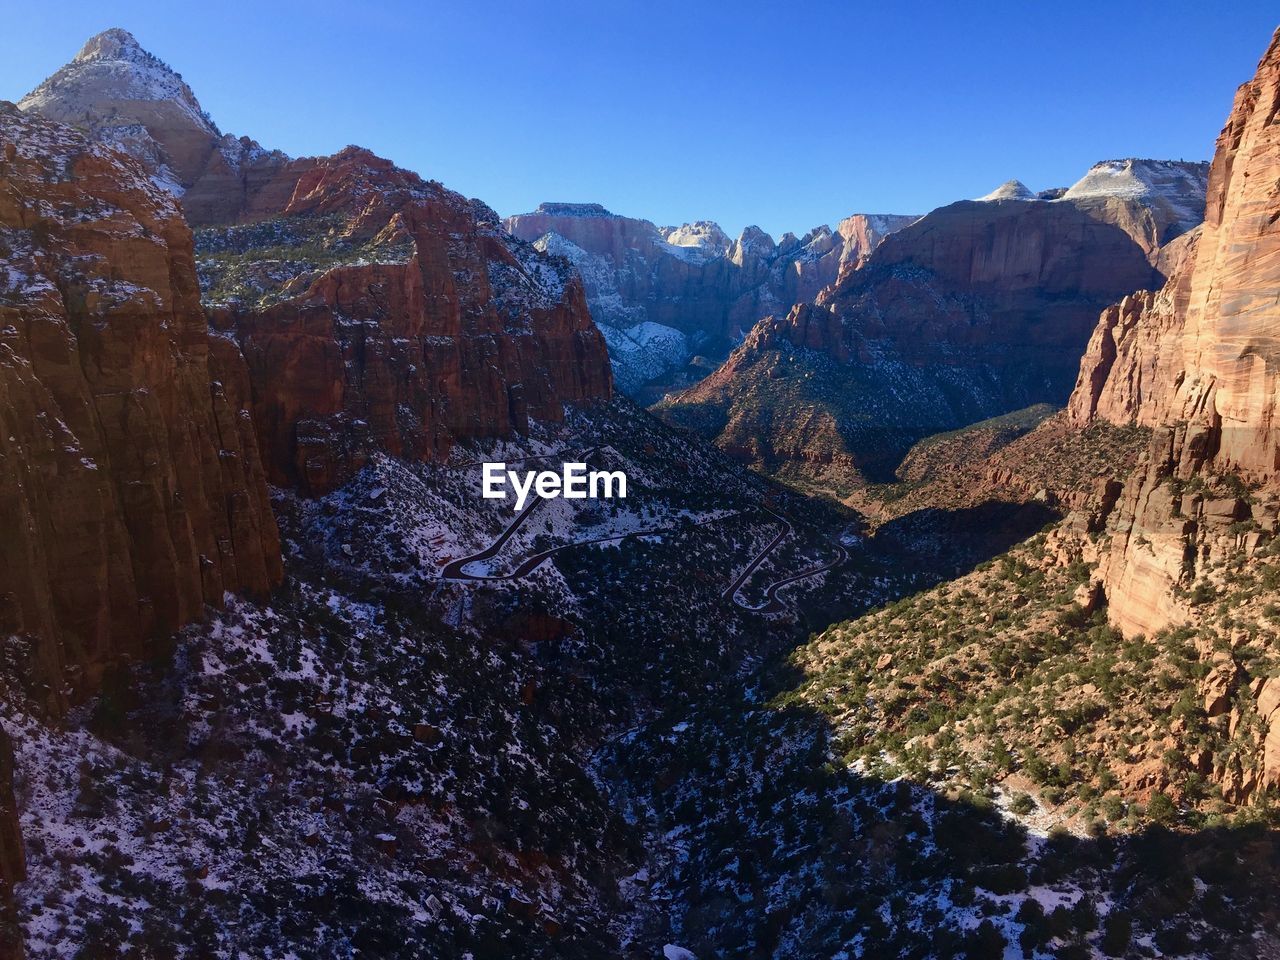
[113,44]
[753,238]
[1138,178]
[703,234]
[1173,189]
[1010,190]
[110,71]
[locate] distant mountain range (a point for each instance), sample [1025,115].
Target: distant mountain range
[974,310]
[672,301]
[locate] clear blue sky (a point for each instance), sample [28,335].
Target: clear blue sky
[782,114]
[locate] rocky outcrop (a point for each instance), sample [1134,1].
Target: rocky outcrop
[668,298]
[410,320]
[404,317]
[1197,362]
[120,94]
[131,488]
[863,232]
[975,310]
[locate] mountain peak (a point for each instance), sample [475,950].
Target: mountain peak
[703,234]
[1010,190]
[113,44]
[113,81]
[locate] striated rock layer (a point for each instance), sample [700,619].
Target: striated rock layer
[1198,362]
[975,310]
[131,488]
[419,322]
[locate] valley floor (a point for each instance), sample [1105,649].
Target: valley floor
[597,729]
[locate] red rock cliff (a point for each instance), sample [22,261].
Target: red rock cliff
[1198,362]
[424,323]
[131,490]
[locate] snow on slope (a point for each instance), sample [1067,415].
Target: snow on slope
[1174,187]
[1010,190]
[112,66]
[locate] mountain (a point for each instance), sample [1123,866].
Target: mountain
[975,310]
[377,311]
[381,312]
[376,713]
[360,338]
[1194,363]
[1111,682]
[122,95]
[672,301]
[132,482]
[131,486]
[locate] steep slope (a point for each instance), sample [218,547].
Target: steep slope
[122,95]
[381,312]
[132,485]
[673,300]
[1197,363]
[378,311]
[1125,665]
[131,490]
[390,757]
[978,309]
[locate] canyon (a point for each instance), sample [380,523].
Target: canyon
[979,675]
[672,301]
[975,310]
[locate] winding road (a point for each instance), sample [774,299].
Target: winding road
[750,568]
[455,569]
[771,603]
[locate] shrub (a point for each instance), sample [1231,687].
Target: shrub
[1161,809]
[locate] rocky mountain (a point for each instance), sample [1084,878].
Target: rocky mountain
[122,95]
[975,310]
[377,311]
[1151,606]
[275,678]
[1195,364]
[382,312]
[672,301]
[357,309]
[132,483]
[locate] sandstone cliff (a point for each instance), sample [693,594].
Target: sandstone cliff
[975,310]
[377,311]
[672,301]
[1197,364]
[130,482]
[131,490]
[381,312]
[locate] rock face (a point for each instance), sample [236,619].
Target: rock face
[669,298]
[402,317]
[408,320]
[130,482]
[863,232]
[1197,362]
[975,310]
[120,94]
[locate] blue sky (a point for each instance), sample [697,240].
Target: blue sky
[782,114]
